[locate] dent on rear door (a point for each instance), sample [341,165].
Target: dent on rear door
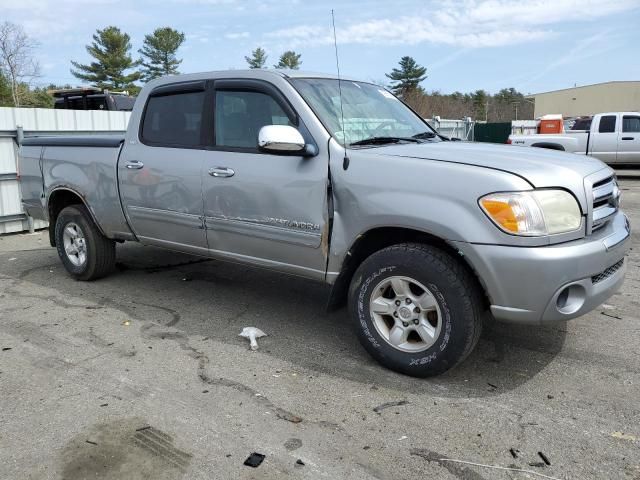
[163,199]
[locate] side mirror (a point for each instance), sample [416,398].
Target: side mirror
[282,139]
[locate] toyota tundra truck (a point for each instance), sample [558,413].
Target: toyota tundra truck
[339,181]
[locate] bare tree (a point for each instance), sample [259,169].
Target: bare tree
[16,58]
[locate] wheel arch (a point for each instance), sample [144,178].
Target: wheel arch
[60,198]
[549,146]
[382,237]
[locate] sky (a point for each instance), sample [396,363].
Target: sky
[466,45]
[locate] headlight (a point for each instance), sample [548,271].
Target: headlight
[533,213]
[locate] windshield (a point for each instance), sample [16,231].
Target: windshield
[370,112]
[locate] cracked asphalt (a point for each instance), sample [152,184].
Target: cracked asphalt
[143,375]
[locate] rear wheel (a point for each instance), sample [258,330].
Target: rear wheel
[417,310]
[85,253]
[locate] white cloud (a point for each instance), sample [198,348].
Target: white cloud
[237,35]
[206,2]
[467,24]
[589,47]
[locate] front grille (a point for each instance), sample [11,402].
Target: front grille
[608,272]
[606,196]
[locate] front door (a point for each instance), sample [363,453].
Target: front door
[629,140]
[161,172]
[262,208]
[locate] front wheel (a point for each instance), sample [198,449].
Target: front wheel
[85,253]
[417,310]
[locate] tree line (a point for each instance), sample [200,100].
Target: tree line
[506,105]
[113,67]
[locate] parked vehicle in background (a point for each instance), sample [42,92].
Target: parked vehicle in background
[92,99]
[613,138]
[340,182]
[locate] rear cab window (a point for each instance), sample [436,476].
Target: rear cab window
[582,124]
[174,119]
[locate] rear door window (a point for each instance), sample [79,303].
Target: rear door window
[607,124]
[174,120]
[630,124]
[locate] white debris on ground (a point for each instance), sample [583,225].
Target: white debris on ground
[252,333]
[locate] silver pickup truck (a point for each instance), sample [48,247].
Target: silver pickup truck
[340,182]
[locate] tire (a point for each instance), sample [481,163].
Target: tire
[438,320]
[85,253]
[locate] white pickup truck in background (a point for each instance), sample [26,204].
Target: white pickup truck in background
[613,138]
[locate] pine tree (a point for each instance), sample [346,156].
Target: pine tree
[110,48]
[258,58]
[480,104]
[508,95]
[407,78]
[290,60]
[6,99]
[159,53]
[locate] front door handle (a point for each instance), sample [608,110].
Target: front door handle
[627,138]
[134,165]
[221,172]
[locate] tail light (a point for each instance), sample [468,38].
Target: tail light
[508,142]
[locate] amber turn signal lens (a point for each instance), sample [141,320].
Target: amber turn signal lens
[502,214]
[533,213]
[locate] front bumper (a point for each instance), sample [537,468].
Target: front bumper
[557,282]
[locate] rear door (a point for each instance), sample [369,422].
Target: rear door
[604,138]
[160,174]
[629,140]
[262,208]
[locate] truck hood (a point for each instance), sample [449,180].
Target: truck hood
[540,167]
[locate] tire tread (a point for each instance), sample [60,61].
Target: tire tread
[439,261]
[103,259]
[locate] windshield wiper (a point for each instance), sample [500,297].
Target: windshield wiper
[425,135]
[384,140]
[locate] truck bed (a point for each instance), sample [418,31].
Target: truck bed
[86,165]
[572,141]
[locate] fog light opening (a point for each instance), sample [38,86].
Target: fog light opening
[570,299]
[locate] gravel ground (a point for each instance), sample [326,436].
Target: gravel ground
[143,375]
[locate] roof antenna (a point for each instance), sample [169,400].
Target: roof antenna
[345,161]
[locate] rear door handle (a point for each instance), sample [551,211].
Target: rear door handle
[134,165]
[627,138]
[221,172]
